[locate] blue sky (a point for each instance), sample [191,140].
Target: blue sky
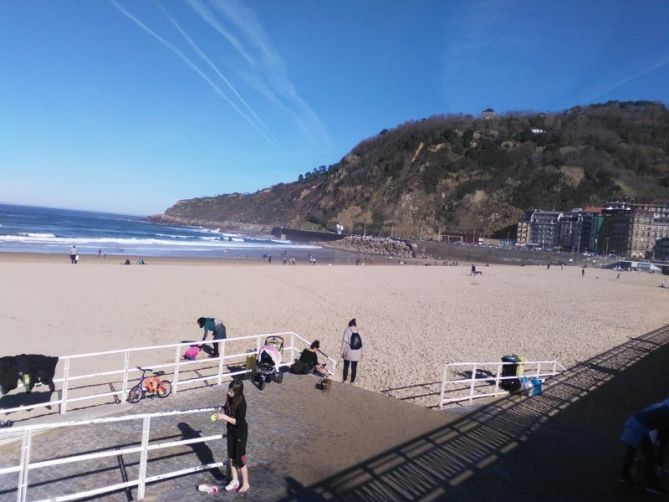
[128,106]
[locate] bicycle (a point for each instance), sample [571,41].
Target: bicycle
[150,386]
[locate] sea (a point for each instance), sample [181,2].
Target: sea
[27,229]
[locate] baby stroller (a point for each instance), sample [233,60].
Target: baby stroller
[269,359]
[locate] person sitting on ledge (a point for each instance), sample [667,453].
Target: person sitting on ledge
[308,361]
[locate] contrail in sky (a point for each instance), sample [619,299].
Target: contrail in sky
[270,75]
[193,67]
[639,74]
[213,67]
[205,13]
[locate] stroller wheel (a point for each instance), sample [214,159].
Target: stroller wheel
[261,383]
[268,378]
[279,377]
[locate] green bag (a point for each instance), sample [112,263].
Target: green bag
[251,361]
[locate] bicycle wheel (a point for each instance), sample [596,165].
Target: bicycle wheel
[164,388]
[135,394]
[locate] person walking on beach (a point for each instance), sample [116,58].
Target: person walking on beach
[218,330]
[351,349]
[583,272]
[234,414]
[637,436]
[73,254]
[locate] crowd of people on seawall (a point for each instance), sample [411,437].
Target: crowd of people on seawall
[384,246]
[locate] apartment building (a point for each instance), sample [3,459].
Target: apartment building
[662,249]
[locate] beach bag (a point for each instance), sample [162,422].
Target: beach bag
[531,386]
[356,341]
[192,353]
[538,387]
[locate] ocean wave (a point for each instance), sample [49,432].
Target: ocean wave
[37,235]
[174,236]
[140,243]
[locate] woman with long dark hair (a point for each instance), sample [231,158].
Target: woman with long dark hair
[234,414]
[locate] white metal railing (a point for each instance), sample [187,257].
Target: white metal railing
[25,466]
[469,389]
[175,368]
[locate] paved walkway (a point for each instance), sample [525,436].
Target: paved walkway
[290,442]
[352,444]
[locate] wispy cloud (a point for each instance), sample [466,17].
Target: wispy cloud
[205,13]
[200,53]
[266,70]
[197,70]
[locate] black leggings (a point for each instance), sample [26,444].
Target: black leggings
[354,367]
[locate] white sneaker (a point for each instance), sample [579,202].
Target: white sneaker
[233,486]
[210,489]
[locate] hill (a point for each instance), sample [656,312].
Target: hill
[459,173]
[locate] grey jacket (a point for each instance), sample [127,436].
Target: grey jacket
[348,353]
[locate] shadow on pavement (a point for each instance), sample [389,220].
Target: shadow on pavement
[201,450]
[563,445]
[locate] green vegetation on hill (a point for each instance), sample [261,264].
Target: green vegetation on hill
[459,173]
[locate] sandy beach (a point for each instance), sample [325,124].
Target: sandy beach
[413,319]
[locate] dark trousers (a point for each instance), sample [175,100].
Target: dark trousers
[663,438]
[354,367]
[214,347]
[648,452]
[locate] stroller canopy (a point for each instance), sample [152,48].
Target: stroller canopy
[272,352]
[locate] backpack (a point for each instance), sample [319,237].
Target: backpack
[356,341]
[192,353]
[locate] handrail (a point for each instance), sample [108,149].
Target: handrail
[176,366]
[528,368]
[25,466]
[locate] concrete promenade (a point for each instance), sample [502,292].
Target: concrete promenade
[351,444]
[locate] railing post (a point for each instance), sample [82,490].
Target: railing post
[258,344]
[177,360]
[538,369]
[443,387]
[292,346]
[554,367]
[22,492]
[221,356]
[126,367]
[471,386]
[63,392]
[143,458]
[497,377]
